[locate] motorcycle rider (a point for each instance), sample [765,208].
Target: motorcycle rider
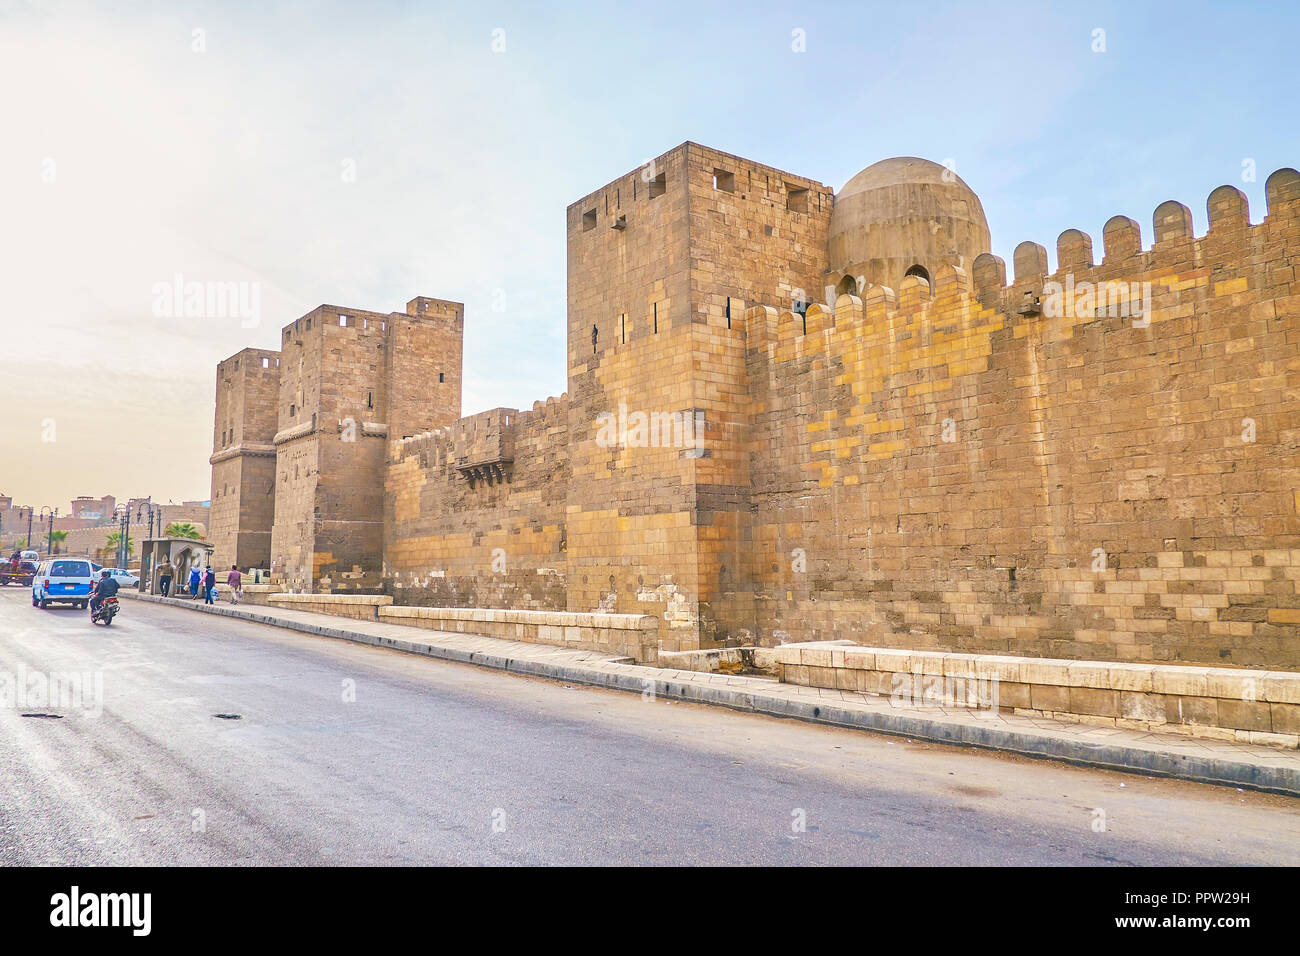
[106,588]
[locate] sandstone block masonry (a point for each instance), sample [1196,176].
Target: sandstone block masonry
[796,415]
[243,459]
[298,473]
[989,468]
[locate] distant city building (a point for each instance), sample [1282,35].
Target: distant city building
[93,509]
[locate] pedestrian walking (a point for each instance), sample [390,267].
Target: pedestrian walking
[165,570]
[195,575]
[235,582]
[209,585]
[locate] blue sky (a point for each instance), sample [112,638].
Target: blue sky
[225,164]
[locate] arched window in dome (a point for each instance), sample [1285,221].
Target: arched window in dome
[919,270]
[847,286]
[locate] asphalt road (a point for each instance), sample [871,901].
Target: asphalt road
[345,754]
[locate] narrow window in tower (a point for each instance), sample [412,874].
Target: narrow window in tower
[343,321]
[266,363]
[293,410]
[728,311]
[440,378]
[622,327]
[656,318]
[370,399]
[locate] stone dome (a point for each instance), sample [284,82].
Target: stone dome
[903,216]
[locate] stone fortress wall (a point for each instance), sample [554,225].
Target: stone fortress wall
[944,461]
[998,470]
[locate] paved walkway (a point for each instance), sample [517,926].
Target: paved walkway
[1168,755]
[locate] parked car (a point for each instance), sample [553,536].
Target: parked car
[124,578]
[62,581]
[33,556]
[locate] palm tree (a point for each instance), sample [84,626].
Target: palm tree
[57,538]
[111,544]
[181,529]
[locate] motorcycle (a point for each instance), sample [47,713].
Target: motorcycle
[105,613]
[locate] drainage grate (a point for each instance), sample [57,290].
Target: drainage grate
[46,716]
[229,716]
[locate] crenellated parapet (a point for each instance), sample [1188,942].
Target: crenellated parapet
[481,447]
[892,334]
[1231,245]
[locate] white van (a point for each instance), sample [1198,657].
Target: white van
[62,581]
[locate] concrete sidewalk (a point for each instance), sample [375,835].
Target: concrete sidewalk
[1166,755]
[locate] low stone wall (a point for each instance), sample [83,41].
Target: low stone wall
[361,607]
[632,635]
[722,660]
[260,594]
[1256,706]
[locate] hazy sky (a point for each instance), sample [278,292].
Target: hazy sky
[364,153]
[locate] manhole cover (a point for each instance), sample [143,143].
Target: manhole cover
[228,716]
[46,716]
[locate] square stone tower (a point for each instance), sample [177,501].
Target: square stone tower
[243,459]
[349,380]
[662,264]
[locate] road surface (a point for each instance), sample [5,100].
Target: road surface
[346,754]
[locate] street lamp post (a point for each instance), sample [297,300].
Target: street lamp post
[146,559]
[147,507]
[29,528]
[123,514]
[52,513]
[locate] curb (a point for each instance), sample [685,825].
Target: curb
[1121,757]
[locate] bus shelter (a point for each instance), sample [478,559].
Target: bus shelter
[178,554]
